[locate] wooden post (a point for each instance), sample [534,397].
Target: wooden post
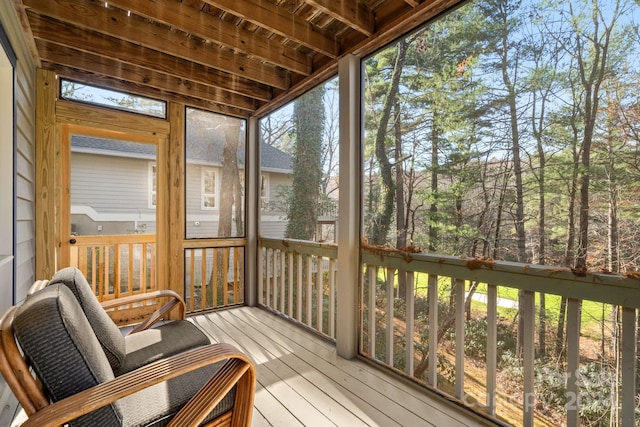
[45,152]
[252,197]
[173,276]
[349,222]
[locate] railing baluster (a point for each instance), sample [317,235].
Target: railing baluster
[319,294]
[225,279]
[492,347]
[267,283]
[283,293]
[95,282]
[152,266]
[332,298]
[130,249]
[373,274]
[528,315]
[411,328]
[290,278]
[236,275]
[309,281]
[203,278]
[192,278]
[628,346]
[105,270]
[262,253]
[390,314]
[573,361]
[143,268]
[432,290]
[459,326]
[273,286]
[299,290]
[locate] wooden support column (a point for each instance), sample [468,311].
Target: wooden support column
[252,195]
[45,158]
[349,222]
[174,171]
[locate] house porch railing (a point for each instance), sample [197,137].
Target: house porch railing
[116,265]
[460,296]
[297,278]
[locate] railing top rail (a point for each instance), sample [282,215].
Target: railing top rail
[607,288]
[301,246]
[112,239]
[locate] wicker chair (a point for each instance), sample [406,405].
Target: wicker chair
[73,381]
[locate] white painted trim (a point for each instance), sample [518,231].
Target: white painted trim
[252,217]
[111,217]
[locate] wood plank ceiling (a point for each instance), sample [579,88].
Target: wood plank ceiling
[236,57]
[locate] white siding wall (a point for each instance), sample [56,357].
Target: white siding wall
[25,170]
[23,223]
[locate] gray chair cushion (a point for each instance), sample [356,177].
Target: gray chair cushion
[63,350]
[128,353]
[106,331]
[163,341]
[155,406]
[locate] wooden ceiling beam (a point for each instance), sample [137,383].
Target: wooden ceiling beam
[75,59]
[275,19]
[352,13]
[111,47]
[127,87]
[93,18]
[385,33]
[208,27]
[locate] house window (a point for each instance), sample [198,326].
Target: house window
[152,185]
[209,187]
[264,191]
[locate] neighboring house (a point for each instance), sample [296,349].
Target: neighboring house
[113,186]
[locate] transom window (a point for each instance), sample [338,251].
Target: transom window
[82,92]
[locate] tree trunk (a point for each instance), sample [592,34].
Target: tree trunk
[401,225]
[307,165]
[382,220]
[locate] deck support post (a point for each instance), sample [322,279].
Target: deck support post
[349,221]
[253,212]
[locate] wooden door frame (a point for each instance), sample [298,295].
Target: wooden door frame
[54,119]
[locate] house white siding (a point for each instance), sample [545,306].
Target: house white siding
[24,173]
[111,192]
[17,257]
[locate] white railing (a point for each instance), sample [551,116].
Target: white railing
[297,279]
[439,291]
[214,277]
[435,313]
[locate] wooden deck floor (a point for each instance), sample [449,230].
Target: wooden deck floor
[301,381]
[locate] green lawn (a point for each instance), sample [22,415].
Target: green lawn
[592,312]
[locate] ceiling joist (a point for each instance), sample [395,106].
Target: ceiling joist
[269,16]
[236,57]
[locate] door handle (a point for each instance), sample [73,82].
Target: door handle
[72,241]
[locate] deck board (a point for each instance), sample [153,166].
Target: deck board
[302,382]
[303,374]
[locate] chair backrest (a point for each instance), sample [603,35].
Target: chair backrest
[107,332]
[62,349]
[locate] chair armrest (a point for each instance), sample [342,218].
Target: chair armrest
[175,302]
[237,370]
[36,286]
